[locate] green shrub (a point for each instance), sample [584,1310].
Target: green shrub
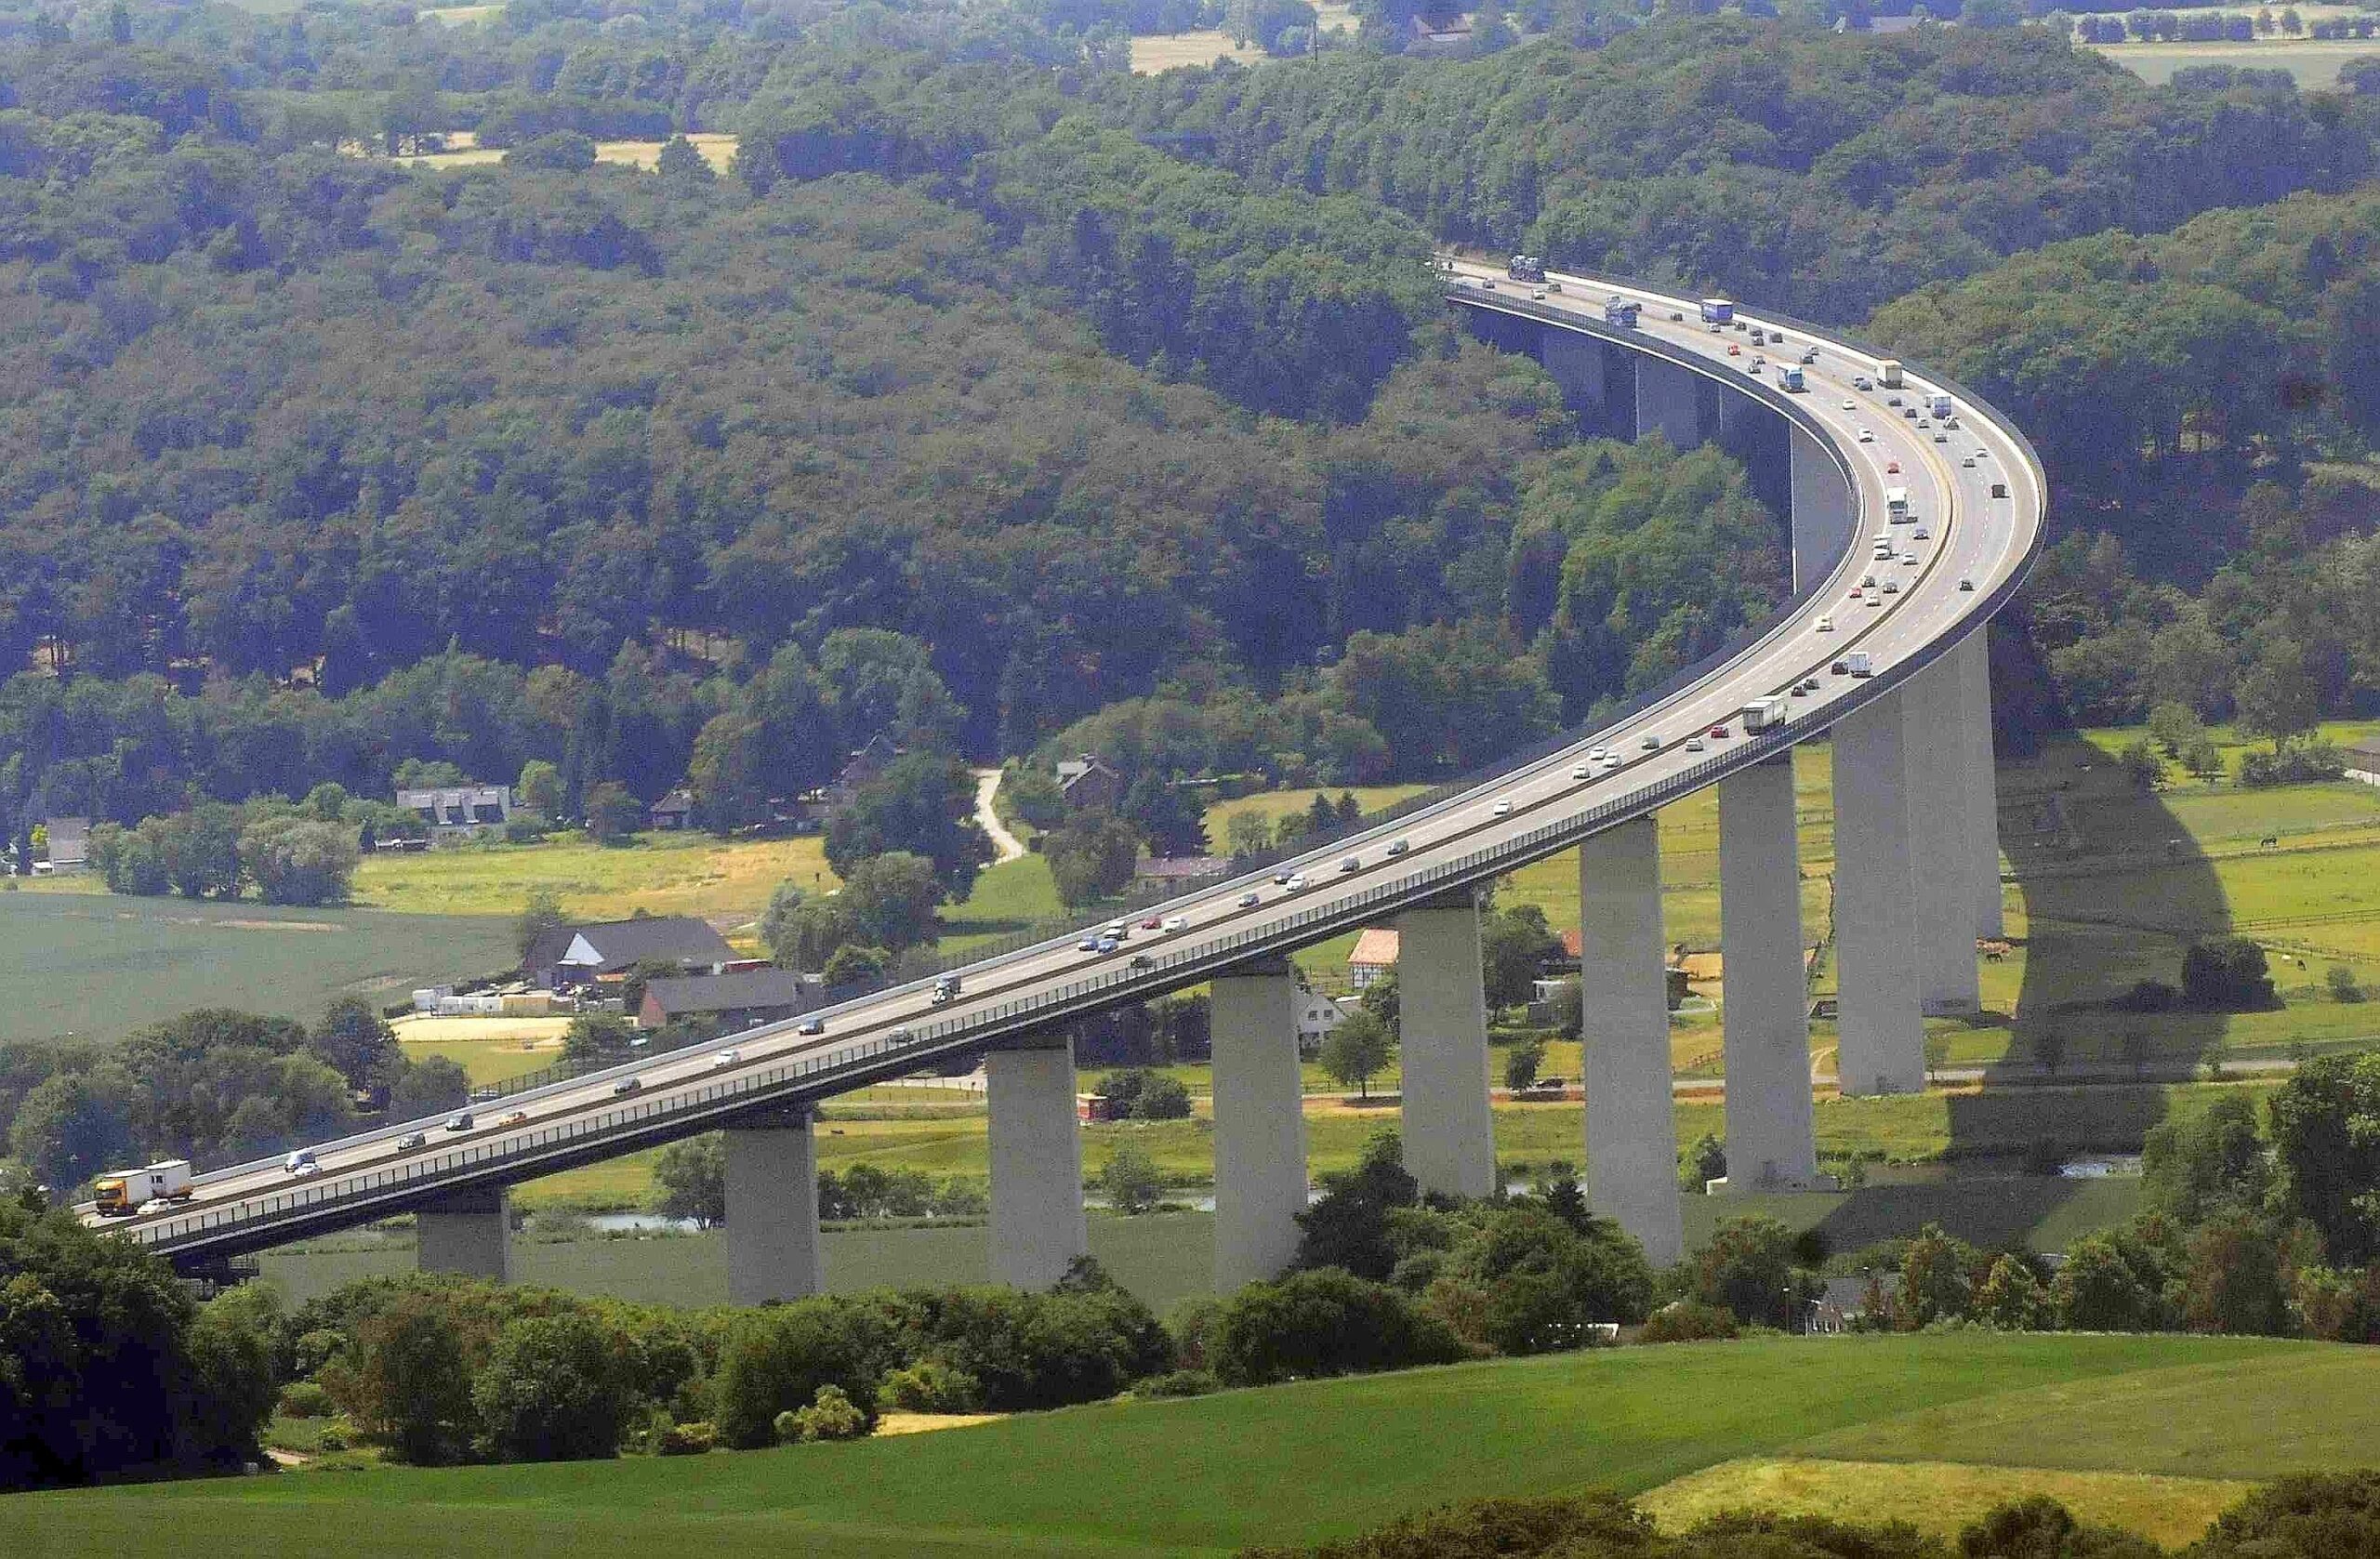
[1321,1323]
[831,1417]
[304,1399]
[931,1386]
[688,1439]
[1690,1321]
[776,1359]
[2314,1515]
[1179,1382]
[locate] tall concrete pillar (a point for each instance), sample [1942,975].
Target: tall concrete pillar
[1974,658]
[1941,847]
[1824,509]
[1771,1138]
[468,1232]
[772,1250]
[1037,1225]
[1632,1127]
[1576,361]
[1668,403]
[1442,1018]
[1881,1029]
[1259,1125]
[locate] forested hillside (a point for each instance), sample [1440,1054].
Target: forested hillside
[1004,403]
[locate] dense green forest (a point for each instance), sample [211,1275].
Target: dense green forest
[1008,403]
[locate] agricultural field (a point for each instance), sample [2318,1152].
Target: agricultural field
[2315,65]
[1158,52]
[463,148]
[726,881]
[95,966]
[1178,1478]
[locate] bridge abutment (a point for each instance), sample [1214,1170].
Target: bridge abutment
[1631,1128]
[772,1247]
[1881,1027]
[467,1232]
[1448,1130]
[1037,1227]
[1765,1018]
[1259,1125]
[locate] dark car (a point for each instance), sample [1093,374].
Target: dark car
[412,1142]
[1842,669]
[628,1085]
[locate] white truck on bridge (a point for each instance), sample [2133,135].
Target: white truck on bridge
[122,1193]
[1764,714]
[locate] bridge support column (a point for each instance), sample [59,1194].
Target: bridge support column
[1576,361]
[773,1250]
[1770,1129]
[1974,659]
[1259,1126]
[1824,509]
[1037,1225]
[467,1232]
[1941,844]
[1632,1127]
[1449,1132]
[1667,403]
[1880,1028]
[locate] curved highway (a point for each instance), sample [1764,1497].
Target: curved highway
[1975,549]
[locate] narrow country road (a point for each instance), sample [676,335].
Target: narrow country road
[1007,846]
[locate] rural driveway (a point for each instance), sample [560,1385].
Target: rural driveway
[1008,846]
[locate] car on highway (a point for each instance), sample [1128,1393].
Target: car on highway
[1861,381]
[518,1117]
[413,1142]
[899,1037]
[1676,316]
[1115,928]
[1398,847]
[1153,924]
[1967,462]
[1891,399]
[1582,770]
[1141,961]
[1909,558]
[1892,467]
[1297,884]
[1966,584]
[1850,406]
[1921,534]
[1799,689]
[812,1026]
[1999,489]
[1501,809]
[460,1121]
[1720,731]
[1176,923]
[1694,743]
[1892,586]
[1594,755]
[1105,945]
[725,1058]
[1248,901]
[1648,743]
[1945,437]
[1753,367]
[1088,945]
[1826,625]
[1859,592]
[1867,436]
[1610,760]
[1909,414]
[155,1204]
[1925,422]
[307,1171]
[1734,349]
[627,1086]
[1353,862]
[1281,878]
[298,1158]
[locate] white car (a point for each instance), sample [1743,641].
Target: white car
[1851,405]
[1826,625]
[1694,743]
[1610,761]
[154,1204]
[1296,884]
[1581,771]
[1501,809]
[1909,558]
[1175,923]
[726,1058]
[1649,743]
[1967,461]
[1594,755]
[1921,533]
[1866,436]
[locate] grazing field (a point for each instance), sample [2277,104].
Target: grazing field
[1158,52]
[463,149]
[727,882]
[96,966]
[1288,1464]
[2314,65]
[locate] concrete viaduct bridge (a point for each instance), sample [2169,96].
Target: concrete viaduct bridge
[1917,882]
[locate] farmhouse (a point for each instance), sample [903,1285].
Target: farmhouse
[459,809]
[1317,1016]
[1088,783]
[70,843]
[1164,871]
[1373,956]
[673,811]
[574,954]
[2362,761]
[736,999]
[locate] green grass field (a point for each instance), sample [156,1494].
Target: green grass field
[2314,65]
[1301,1463]
[96,965]
[724,881]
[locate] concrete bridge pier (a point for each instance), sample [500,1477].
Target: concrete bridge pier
[468,1231]
[1668,402]
[1973,658]
[1577,361]
[773,1248]
[1880,1045]
[1038,1227]
[1260,1124]
[1449,1132]
[1632,1130]
[1771,1141]
[1941,844]
[1824,508]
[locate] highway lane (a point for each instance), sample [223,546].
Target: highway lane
[1972,535]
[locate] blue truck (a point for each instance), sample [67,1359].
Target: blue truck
[1718,311]
[1617,311]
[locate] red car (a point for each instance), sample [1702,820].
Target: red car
[1733,350]
[1718,731]
[1893,467]
[1153,924]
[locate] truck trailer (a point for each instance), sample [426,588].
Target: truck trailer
[1888,373]
[1718,311]
[1790,378]
[1526,268]
[120,1193]
[1764,714]
[1617,311]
